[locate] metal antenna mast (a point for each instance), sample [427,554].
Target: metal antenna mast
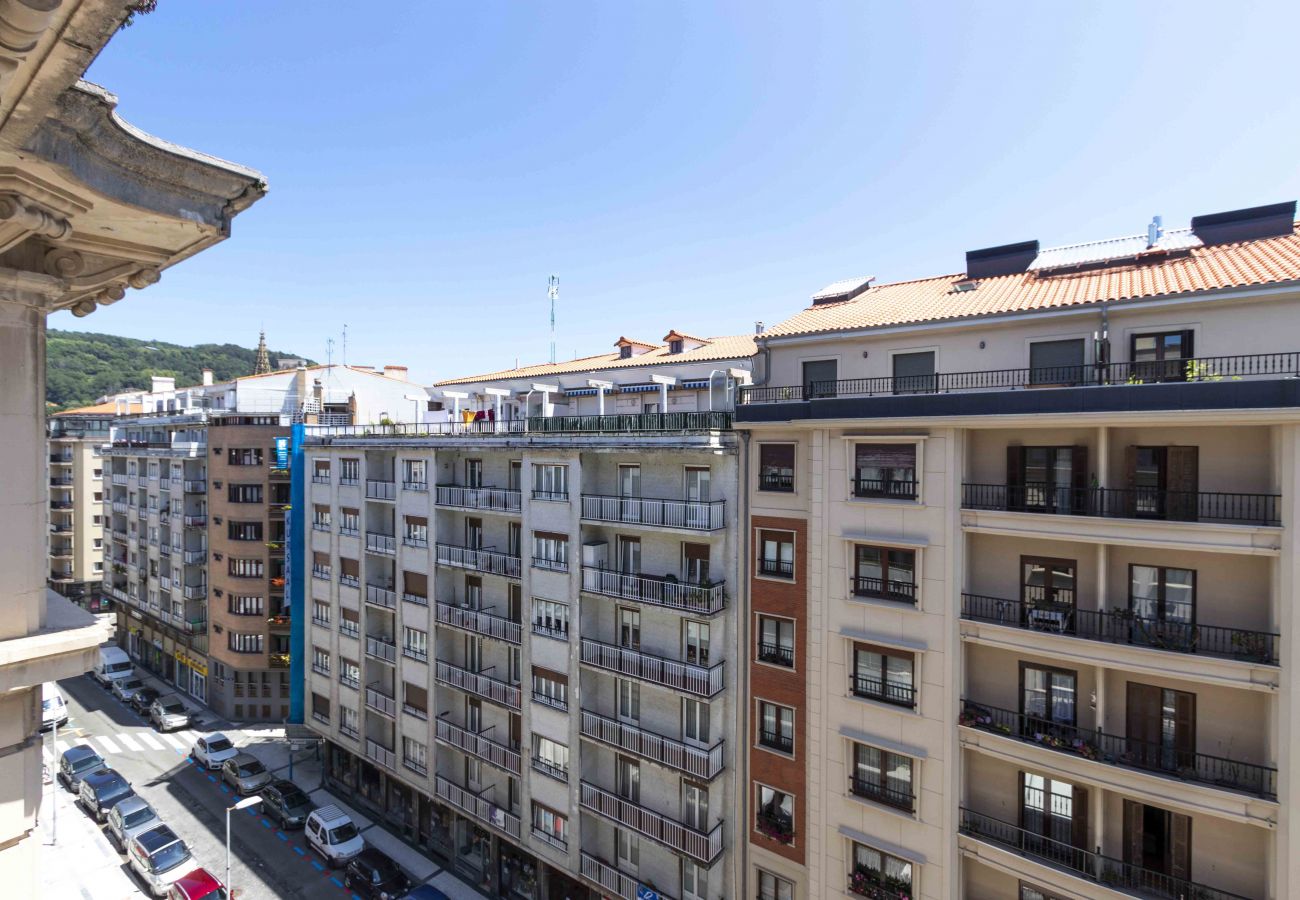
[553,291]
[329,351]
[345,343]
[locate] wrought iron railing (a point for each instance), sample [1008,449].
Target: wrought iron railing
[628,423]
[881,793]
[883,588]
[1126,503]
[492,562]
[776,568]
[776,654]
[873,688]
[480,498]
[886,488]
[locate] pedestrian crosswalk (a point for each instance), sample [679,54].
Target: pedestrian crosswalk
[138,741]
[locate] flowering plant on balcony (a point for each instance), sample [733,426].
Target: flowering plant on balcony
[777,827]
[878,886]
[277,582]
[278,620]
[1085,749]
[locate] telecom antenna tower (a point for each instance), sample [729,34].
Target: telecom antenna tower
[553,291]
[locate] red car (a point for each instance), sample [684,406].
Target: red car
[198,885]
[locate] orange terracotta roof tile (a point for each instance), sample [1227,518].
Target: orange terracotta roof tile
[109,408]
[1263,261]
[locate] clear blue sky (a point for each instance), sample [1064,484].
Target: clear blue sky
[686,165]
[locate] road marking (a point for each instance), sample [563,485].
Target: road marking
[172,740]
[300,851]
[61,746]
[127,741]
[107,743]
[150,741]
[213,779]
[189,736]
[337,883]
[315,864]
[266,823]
[282,836]
[85,742]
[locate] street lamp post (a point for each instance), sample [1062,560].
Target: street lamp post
[242,804]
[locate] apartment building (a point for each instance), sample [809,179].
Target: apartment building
[76,477]
[1023,556]
[521,622]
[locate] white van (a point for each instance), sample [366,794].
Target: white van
[333,835]
[53,710]
[113,664]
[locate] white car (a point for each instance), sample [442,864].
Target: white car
[159,858]
[213,750]
[333,835]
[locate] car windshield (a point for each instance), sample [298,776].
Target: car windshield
[171,856]
[343,833]
[139,817]
[220,745]
[294,798]
[47,705]
[114,789]
[132,684]
[173,708]
[90,762]
[252,768]
[214,894]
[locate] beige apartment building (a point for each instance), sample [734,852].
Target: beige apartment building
[522,618]
[1023,554]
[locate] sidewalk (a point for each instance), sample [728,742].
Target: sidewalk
[83,863]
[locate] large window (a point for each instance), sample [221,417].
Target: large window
[244,531]
[244,643]
[1161,356]
[247,606]
[415,531]
[414,475]
[776,467]
[551,688]
[550,551]
[245,456]
[245,493]
[246,568]
[349,471]
[875,871]
[349,521]
[884,470]
[776,641]
[1056,362]
[881,673]
[884,573]
[1048,697]
[320,661]
[550,482]
[550,825]
[914,373]
[775,727]
[1047,479]
[775,814]
[415,755]
[551,618]
[776,553]
[320,471]
[882,776]
[320,708]
[772,887]
[550,758]
[819,378]
[320,519]
[415,643]
[1163,594]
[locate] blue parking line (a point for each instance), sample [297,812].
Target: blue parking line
[300,851]
[336,882]
[315,864]
[212,778]
[252,810]
[225,790]
[266,823]
[282,836]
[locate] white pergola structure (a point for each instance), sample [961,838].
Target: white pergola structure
[664,382]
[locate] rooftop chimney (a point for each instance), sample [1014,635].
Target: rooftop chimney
[758,328]
[397,372]
[1008,259]
[207,377]
[1245,224]
[160,383]
[1155,231]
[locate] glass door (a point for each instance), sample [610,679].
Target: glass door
[1047,593]
[697,496]
[629,628]
[629,493]
[628,779]
[1048,699]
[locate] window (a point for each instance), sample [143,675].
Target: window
[1047,479]
[348,721]
[1057,811]
[551,618]
[625,352]
[415,700]
[775,727]
[246,568]
[776,554]
[415,531]
[414,475]
[884,573]
[874,871]
[1048,697]
[320,661]
[695,880]
[244,493]
[97,567]
[1162,483]
[695,722]
[320,519]
[349,471]
[819,378]
[246,606]
[244,531]
[884,470]
[776,641]
[551,688]
[550,482]
[629,701]
[320,612]
[320,708]
[244,643]
[1056,362]
[350,521]
[550,825]
[1165,595]
[97,473]
[882,776]
[245,456]
[884,674]
[1161,356]
[98,543]
[675,346]
[1030,892]
[1161,727]
[415,643]
[770,887]
[695,563]
[349,672]
[775,814]
[776,467]
[695,642]
[550,758]
[550,551]
[415,755]
[320,471]
[914,373]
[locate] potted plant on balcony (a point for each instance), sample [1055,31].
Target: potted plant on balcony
[1250,646]
[878,886]
[777,827]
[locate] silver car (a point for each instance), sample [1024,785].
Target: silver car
[124,688]
[245,773]
[129,818]
[168,713]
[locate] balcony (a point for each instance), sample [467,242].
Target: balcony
[476,621]
[881,793]
[381,648]
[1200,768]
[883,589]
[550,564]
[665,591]
[704,847]
[195,591]
[680,676]
[613,881]
[485,499]
[119,478]
[377,752]
[120,506]
[685,515]
[476,745]
[415,486]
[379,596]
[699,762]
[278,660]
[1126,503]
[1104,870]
[381,543]
[195,487]
[1124,627]
[477,808]
[480,685]
[195,521]
[869,687]
[611,425]
[380,702]
[491,562]
[380,490]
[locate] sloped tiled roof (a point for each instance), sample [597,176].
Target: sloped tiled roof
[1263,261]
[731,347]
[109,408]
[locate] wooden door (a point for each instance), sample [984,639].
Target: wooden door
[1181,482]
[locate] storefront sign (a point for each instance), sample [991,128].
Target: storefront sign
[282,453]
[195,664]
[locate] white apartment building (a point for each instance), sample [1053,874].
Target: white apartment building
[522,622]
[1033,528]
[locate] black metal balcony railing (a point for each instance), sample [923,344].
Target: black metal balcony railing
[886,488]
[776,740]
[775,824]
[689,515]
[1130,753]
[706,599]
[780,482]
[487,499]
[1209,368]
[1105,870]
[1121,626]
[875,885]
[882,793]
[883,588]
[550,769]
[1126,503]
[492,562]
[776,568]
[704,847]
[702,762]
[776,654]
[873,688]
[634,423]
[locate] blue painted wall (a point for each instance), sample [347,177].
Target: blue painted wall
[295,549]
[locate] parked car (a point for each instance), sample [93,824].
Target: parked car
[333,834]
[76,763]
[101,791]
[197,885]
[129,818]
[167,713]
[54,711]
[160,858]
[124,688]
[245,773]
[285,803]
[142,699]
[213,750]
[373,876]
[113,664]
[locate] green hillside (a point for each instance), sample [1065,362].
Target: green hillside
[82,367]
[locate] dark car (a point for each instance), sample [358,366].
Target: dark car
[374,876]
[101,791]
[76,763]
[142,699]
[284,802]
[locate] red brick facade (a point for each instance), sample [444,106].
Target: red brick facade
[787,598]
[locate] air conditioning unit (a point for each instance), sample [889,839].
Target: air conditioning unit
[595,555]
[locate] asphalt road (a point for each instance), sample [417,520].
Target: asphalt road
[265,862]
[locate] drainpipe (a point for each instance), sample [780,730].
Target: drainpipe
[742,706]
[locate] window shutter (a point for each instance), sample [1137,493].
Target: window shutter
[1180,846]
[1185,726]
[1143,720]
[1015,477]
[886,456]
[1130,479]
[1079,819]
[1181,481]
[1079,480]
[1132,833]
